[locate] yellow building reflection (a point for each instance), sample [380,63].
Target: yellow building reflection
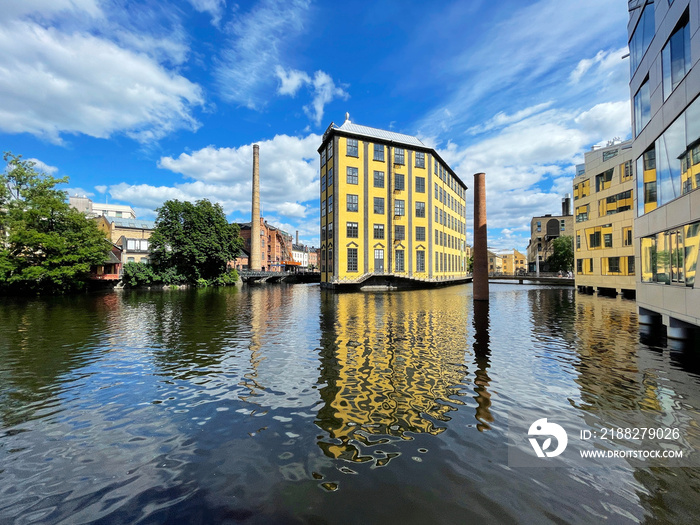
[392,365]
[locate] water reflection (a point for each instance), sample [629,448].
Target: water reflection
[392,366]
[482,353]
[41,341]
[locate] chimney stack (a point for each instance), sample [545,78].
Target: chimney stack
[255,262]
[566,205]
[480,287]
[297,237]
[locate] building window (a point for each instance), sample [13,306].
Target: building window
[330,231]
[352,259]
[330,150]
[330,178]
[323,183]
[352,175]
[379,205]
[399,232]
[420,159]
[562,225]
[594,239]
[352,230]
[398,156]
[641,38]
[352,202]
[539,226]
[607,155]
[607,240]
[626,170]
[420,184]
[420,260]
[399,260]
[378,231]
[399,207]
[627,236]
[378,179]
[642,108]
[323,157]
[352,148]
[323,233]
[330,204]
[613,265]
[420,209]
[420,233]
[379,152]
[675,57]
[578,242]
[399,182]
[602,181]
[323,208]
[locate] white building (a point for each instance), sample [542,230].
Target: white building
[300,254]
[96,209]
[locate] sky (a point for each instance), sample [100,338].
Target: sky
[141,101]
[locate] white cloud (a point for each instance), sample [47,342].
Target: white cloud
[248,64]
[322,85]
[47,7]
[214,7]
[42,166]
[524,63]
[291,80]
[101,188]
[291,209]
[53,83]
[79,192]
[605,62]
[288,178]
[325,91]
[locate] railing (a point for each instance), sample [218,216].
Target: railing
[362,278]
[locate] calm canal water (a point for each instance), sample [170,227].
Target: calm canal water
[287,404]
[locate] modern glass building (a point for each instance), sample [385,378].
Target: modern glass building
[664,86]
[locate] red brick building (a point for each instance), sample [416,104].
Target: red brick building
[276,245]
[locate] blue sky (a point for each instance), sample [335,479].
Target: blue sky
[143,101]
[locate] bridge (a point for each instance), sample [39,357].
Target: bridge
[250,276]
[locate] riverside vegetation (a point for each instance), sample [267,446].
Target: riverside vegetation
[48,247]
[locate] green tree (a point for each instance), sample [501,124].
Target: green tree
[45,245]
[563,257]
[195,241]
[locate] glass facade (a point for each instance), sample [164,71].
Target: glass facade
[641,38]
[671,257]
[672,167]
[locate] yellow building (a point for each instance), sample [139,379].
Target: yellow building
[514,262]
[391,209]
[603,204]
[131,235]
[495,263]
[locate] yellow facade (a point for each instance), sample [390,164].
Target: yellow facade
[514,262]
[603,248]
[390,206]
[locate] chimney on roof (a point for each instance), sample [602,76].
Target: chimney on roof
[297,237]
[347,117]
[566,205]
